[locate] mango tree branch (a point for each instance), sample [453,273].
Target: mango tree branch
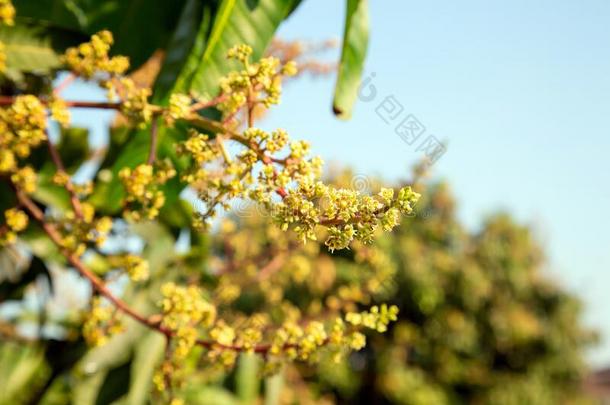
[9,100]
[154,130]
[101,288]
[75,261]
[68,186]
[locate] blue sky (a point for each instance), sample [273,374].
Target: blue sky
[519,91]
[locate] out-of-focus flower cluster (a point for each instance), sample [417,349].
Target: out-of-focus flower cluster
[7,17]
[101,322]
[91,58]
[287,186]
[23,126]
[7,12]
[480,322]
[144,197]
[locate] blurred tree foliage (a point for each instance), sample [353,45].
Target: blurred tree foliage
[481,319]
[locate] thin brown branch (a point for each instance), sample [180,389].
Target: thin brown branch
[75,262]
[98,284]
[250,110]
[74,200]
[8,100]
[271,267]
[154,134]
[207,104]
[64,84]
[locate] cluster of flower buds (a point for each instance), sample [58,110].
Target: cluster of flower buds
[7,12]
[101,322]
[269,168]
[142,184]
[23,125]
[7,17]
[91,58]
[289,188]
[185,313]
[257,82]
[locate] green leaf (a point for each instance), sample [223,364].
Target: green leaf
[59,13]
[128,148]
[34,48]
[94,367]
[159,247]
[199,64]
[13,288]
[353,54]
[246,378]
[48,192]
[237,22]
[20,367]
[140,27]
[73,147]
[147,356]
[41,245]
[210,396]
[273,389]
[184,50]
[295,5]
[115,385]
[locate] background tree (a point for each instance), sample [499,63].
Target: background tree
[481,320]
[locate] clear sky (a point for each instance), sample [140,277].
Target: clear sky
[520,90]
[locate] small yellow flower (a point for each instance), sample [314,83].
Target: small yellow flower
[59,112]
[7,12]
[8,162]
[16,219]
[25,179]
[136,267]
[290,68]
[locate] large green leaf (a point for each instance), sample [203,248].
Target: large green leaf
[237,22]
[34,48]
[93,370]
[247,377]
[184,49]
[129,148]
[73,147]
[20,366]
[195,65]
[353,54]
[13,287]
[115,385]
[211,396]
[273,389]
[147,355]
[139,26]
